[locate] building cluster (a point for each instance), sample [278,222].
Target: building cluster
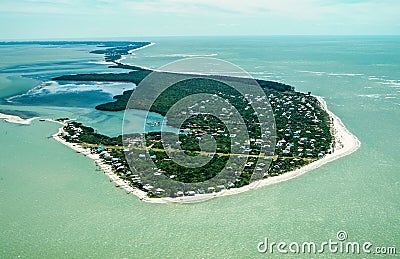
[300,138]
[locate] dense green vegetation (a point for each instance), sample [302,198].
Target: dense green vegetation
[177,93]
[119,104]
[303,135]
[79,133]
[303,132]
[302,125]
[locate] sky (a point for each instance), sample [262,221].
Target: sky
[75,19]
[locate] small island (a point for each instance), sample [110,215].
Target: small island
[306,133]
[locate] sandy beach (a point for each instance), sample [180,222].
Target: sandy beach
[148,45]
[345,144]
[16,119]
[106,168]
[131,52]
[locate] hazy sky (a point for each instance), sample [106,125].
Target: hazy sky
[39,19]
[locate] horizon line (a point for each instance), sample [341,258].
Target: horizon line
[99,38]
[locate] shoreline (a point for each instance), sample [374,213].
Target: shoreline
[131,52]
[106,168]
[345,144]
[16,119]
[146,46]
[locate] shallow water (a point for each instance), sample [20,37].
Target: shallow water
[55,204]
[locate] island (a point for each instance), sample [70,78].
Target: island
[306,133]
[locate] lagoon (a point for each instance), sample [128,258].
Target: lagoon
[54,203]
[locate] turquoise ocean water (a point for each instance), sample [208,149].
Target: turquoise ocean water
[55,203]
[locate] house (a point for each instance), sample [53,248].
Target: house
[211,189]
[116,165]
[100,149]
[106,155]
[221,187]
[248,164]
[247,150]
[148,187]
[159,191]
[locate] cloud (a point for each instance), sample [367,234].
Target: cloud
[230,7]
[198,17]
[66,7]
[305,9]
[310,10]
